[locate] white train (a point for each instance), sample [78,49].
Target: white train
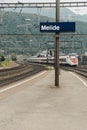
[71,59]
[43,57]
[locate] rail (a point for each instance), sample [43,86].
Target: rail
[11,75]
[81,70]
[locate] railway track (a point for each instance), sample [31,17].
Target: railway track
[81,70]
[24,70]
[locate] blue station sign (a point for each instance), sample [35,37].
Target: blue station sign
[57,27]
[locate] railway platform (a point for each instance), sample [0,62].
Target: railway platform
[36,104]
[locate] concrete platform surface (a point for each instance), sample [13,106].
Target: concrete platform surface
[39,105]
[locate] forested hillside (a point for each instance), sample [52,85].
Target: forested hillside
[19,33]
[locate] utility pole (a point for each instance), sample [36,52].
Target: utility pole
[57,46]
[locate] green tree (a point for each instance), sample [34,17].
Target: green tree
[14,57]
[2,58]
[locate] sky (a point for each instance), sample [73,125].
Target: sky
[77,10]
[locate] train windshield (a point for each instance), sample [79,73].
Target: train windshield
[73,56]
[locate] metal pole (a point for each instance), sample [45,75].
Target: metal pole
[57,46]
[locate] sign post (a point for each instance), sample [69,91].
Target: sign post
[57,46]
[57,27]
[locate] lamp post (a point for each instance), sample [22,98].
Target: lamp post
[27,20]
[47,51]
[47,54]
[30,42]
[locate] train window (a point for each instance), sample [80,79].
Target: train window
[63,60]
